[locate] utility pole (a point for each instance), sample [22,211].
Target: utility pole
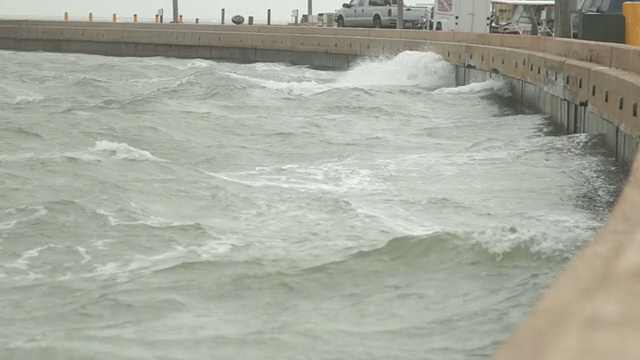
[563,26]
[175,11]
[400,23]
[309,8]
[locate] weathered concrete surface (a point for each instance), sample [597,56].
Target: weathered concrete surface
[590,313]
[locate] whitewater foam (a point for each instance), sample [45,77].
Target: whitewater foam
[23,261]
[22,214]
[121,151]
[329,177]
[409,68]
[500,87]
[25,100]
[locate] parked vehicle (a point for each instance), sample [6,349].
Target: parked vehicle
[462,15]
[378,14]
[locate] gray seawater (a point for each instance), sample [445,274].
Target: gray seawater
[187,209]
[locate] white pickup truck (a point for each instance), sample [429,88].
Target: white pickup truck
[378,14]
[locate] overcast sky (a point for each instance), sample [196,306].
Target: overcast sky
[191,9]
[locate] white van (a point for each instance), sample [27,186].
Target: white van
[462,15]
[377,14]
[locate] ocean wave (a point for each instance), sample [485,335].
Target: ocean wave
[196,64]
[500,87]
[121,151]
[505,244]
[330,177]
[13,216]
[27,99]
[410,68]
[292,88]
[118,151]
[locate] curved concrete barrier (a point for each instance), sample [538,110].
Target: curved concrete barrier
[591,312]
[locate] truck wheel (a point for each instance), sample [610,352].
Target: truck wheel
[340,22]
[377,23]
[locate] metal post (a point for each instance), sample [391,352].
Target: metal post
[175,11]
[563,19]
[310,7]
[250,20]
[222,17]
[269,17]
[400,23]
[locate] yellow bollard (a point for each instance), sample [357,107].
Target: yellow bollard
[115,17]
[135,18]
[66,16]
[157,18]
[90,16]
[180,19]
[631,11]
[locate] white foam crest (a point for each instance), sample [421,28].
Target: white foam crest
[23,262]
[293,88]
[269,66]
[24,100]
[8,224]
[410,68]
[122,270]
[101,244]
[146,264]
[294,72]
[132,218]
[123,151]
[22,214]
[500,87]
[85,254]
[330,177]
[398,220]
[537,239]
[197,63]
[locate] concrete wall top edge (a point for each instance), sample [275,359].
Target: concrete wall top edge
[615,55]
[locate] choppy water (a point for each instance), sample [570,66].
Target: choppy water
[174,209]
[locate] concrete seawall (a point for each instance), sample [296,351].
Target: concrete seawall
[585,87]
